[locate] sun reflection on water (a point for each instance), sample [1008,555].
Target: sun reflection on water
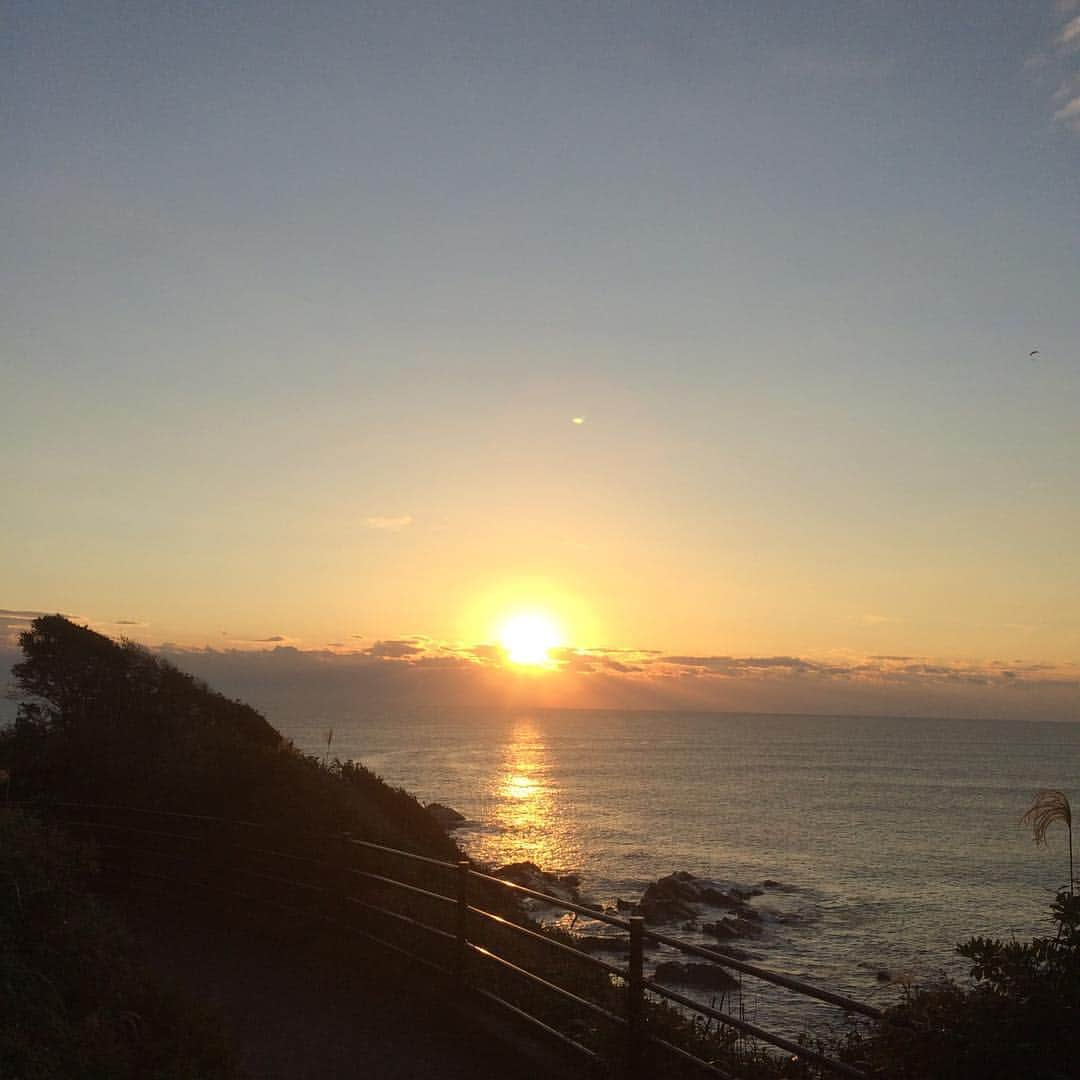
[520,787]
[528,811]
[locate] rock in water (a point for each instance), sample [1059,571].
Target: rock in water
[680,896]
[529,875]
[446,816]
[725,929]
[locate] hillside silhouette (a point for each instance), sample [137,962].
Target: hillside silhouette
[110,722]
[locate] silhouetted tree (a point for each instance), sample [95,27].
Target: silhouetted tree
[107,721]
[74,675]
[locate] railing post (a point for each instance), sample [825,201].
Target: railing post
[635,1001]
[462,919]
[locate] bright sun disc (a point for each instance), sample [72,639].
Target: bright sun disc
[529,639]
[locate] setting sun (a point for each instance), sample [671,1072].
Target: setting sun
[529,639]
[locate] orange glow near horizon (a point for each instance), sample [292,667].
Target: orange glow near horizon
[529,619]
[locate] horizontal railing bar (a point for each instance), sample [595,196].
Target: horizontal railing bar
[759,1033]
[440,968]
[402,951]
[353,930]
[176,856]
[786,981]
[402,918]
[230,821]
[714,955]
[310,859]
[237,869]
[161,877]
[553,987]
[578,954]
[131,829]
[278,880]
[492,997]
[405,885]
[398,851]
[143,810]
[218,890]
[554,901]
[701,1064]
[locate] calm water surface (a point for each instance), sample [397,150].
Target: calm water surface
[896,837]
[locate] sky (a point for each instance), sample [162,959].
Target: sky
[301,303]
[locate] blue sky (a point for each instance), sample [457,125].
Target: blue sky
[299,302]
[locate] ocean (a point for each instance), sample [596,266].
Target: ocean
[890,839]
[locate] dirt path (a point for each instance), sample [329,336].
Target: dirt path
[296,1011]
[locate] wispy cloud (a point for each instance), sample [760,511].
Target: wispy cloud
[1063,51]
[1069,35]
[24,616]
[395,650]
[389,524]
[253,643]
[1069,114]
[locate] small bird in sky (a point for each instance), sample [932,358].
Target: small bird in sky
[1033,354]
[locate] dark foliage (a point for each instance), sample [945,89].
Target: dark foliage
[73,999]
[76,675]
[112,723]
[1020,1018]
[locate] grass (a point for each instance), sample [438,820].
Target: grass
[1048,807]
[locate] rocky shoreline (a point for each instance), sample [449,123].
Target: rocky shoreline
[720,911]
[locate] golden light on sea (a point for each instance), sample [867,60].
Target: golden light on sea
[528,819]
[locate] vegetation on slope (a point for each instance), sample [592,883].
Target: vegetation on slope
[108,722]
[73,999]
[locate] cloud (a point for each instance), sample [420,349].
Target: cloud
[1069,35]
[733,666]
[389,524]
[386,650]
[1069,114]
[488,653]
[26,616]
[1066,90]
[1063,49]
[285,680]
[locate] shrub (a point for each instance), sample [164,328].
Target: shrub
[1021,1016]
[73,999]
[108,722]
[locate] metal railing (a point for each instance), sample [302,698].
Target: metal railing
[346,883]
